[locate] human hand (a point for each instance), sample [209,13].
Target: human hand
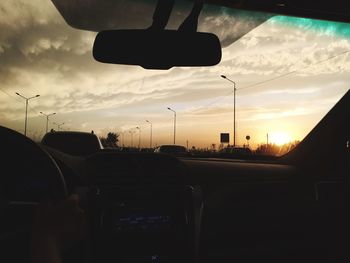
[63,224]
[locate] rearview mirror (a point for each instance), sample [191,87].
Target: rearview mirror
[157,49]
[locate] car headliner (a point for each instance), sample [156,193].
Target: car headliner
[98,15]
[105,15]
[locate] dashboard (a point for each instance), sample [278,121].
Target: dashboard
[139,205]
[157,208]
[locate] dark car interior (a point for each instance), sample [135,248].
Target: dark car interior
[148,207]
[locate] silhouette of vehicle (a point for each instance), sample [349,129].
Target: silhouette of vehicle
[176,150]
[235,152]
[149,150]
[73,142]
[149,207]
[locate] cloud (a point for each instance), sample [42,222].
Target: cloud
[22,13]
[278,113]
[308,90]
[288,53]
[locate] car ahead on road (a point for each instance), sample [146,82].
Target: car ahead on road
[73,142]
[176,150]
[235,152]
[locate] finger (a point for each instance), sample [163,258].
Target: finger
[74,197]
[69,204]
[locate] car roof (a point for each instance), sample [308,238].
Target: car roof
[171,145]
[71,132]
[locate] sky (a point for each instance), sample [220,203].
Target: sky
[289,72]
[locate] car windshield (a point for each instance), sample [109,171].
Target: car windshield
[278,76]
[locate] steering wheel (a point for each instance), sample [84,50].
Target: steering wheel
[28,176]
[29,173]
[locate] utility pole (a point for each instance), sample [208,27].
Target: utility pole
[47,119]
[26,116]
[267,141]
[150,139]
[59,125]
[174,122]
[139,128]
[122,133]
[132,138]
[234,108]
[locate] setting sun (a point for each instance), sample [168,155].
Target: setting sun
[280,138]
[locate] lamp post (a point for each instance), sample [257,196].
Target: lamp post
[25,120]
[132,138]
[150,139]
[174,122]
[122,133]
[59,125]
[139,128]
[234,108]
[47,119]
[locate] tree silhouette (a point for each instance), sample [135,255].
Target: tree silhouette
[275,150]
[111,141]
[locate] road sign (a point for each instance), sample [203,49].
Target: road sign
[224,137]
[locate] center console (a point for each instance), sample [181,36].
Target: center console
[145,224]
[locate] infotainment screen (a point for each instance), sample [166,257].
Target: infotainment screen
[141,222]
[152,225]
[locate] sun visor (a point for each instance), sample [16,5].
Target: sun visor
[97,15]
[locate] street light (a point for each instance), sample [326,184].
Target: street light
[234,108]
[59,125]
[132,138]
[150,139]
[47,119]
[25,120]
[139,128]
[174,122]
[122,142]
